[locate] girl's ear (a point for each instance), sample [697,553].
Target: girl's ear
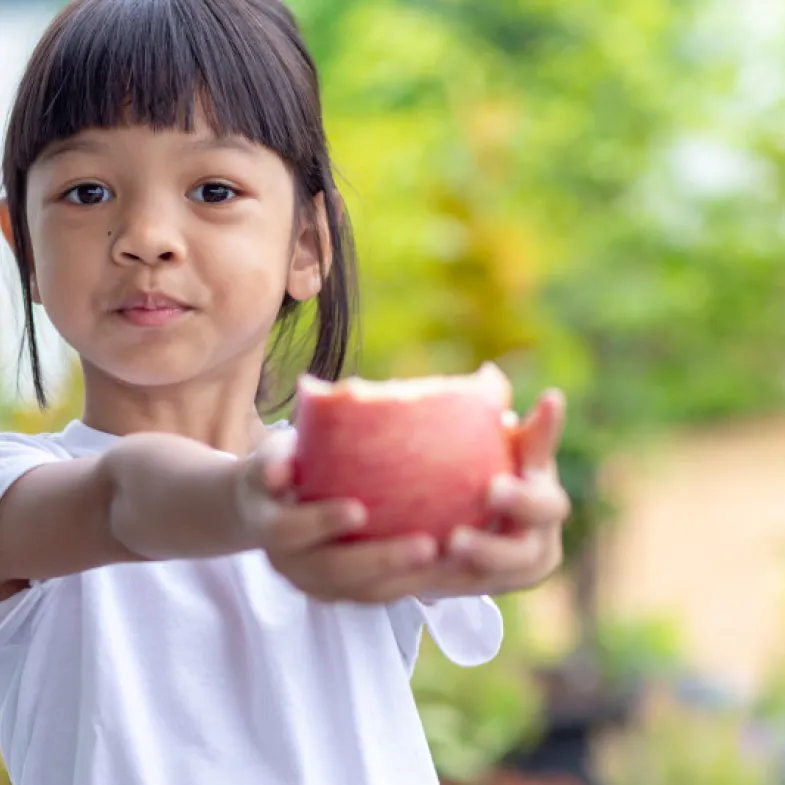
[306,274]
[5,225]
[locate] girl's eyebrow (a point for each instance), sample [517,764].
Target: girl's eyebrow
[235,143]
[72,145]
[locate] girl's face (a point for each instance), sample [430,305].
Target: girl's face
[164,257]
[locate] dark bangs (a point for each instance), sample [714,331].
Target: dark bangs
[151,62]
[109,63]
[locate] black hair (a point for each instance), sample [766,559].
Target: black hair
[108,63]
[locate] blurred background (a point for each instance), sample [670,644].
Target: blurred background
[592,194]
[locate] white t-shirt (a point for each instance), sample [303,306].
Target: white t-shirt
[212,671]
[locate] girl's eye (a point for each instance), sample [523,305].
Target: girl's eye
[88,193]
[214,193]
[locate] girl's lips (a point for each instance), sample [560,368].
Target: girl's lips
[151,309]
[152,317]
[149,300]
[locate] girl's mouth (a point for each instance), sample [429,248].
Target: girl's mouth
[151,309]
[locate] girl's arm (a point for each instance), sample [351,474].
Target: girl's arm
[152,496]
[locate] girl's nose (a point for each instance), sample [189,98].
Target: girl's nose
[149,237]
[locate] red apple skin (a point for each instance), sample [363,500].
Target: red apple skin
[421,465]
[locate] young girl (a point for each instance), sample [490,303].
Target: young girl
[168,615]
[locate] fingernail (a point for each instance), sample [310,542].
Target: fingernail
[554,395]
[423,551]
[510,419]
[278,446]
[503,491]
[462,540]
[355,515]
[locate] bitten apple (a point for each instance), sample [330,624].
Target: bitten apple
[419,453]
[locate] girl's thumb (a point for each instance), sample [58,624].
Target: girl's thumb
[272,463]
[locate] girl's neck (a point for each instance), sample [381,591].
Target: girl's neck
[220,413]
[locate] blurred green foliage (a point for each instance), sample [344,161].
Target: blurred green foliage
[632,651]
[522,176]
[674,745]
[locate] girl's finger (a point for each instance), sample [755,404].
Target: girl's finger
[270,467]
[529,557]
[459,578]
[540,433]
[345,567]
[293,529]
[536,501]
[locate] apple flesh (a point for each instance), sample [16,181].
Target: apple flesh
[418,453]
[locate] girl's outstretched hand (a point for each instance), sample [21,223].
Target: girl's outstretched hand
[524,549]
[526,545]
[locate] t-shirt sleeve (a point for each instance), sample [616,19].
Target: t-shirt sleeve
[19,454]
[467,630]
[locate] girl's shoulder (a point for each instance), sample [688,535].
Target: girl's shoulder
[16,444]
[23,452]
[75,440]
